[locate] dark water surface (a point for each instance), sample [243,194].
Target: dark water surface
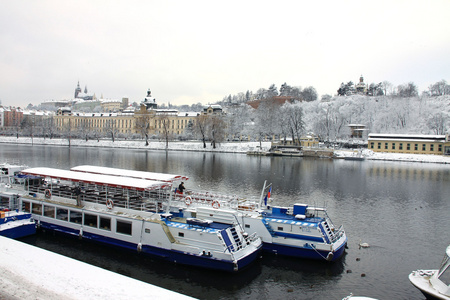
[401,209]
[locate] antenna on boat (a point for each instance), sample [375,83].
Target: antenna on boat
[262,193]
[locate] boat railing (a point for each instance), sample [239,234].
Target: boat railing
[129,199]
[215,200]
[338,234]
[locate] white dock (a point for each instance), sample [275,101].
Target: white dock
[28,272]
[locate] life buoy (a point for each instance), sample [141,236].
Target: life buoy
[109,204]
[215,204]
[48,194]
[188,200]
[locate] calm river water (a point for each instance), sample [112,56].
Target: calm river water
[401,209]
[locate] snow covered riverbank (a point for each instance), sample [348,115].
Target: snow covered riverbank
[28,272]
[229,147]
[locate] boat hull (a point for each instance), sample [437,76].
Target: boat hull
[171,255]
[306,253]
[19,231]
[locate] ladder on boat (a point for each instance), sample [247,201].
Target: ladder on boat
[236,238]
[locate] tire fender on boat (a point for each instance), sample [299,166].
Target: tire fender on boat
[48,194]
[109,204]
[215,204]
[188,200]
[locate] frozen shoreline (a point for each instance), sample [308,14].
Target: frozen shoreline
[29,272]
[228,147]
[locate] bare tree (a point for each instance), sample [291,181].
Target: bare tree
[164,125]
[143,125]
[216,126]
[200,127]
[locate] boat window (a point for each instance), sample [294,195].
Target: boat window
[181,234]
[105,223]
[147,230]
[280,229]
[4,201]
[37,208]
[90,220]
[247,225]
[26,206]
[61,214]
[123,227]
[445,277]
[49,211]
[75,216]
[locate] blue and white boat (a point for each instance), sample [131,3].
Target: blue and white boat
[300,230]
[13,223]
[120,211]
[434,284]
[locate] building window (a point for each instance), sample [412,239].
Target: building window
[371,145]
[393,146]
[408,146]
[440,148]
[400,146]
[424,147]
[416,147]
[431,147]
[385,145]
[379,145]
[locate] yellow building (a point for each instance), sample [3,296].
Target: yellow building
[156,121]
[406,143]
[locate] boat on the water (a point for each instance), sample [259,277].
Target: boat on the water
[125,212]
[13,223]
[299,230]
[434,284]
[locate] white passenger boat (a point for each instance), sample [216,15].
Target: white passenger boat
[434,284]
[299,231]
[120,211]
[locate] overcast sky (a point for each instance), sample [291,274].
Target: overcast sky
[200,51]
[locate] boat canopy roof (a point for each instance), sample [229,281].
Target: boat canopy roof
[129,173]
[98,179]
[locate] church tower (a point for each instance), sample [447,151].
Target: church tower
[77,90]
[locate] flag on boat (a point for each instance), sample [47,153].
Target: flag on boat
[267,196]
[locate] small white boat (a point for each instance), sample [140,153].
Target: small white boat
[434,284]
[351,297]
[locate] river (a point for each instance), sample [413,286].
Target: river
[401,209]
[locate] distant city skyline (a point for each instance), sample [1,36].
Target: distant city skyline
[202,51]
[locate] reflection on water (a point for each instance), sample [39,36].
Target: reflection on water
[400,209]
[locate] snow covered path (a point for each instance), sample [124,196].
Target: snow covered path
[28,272]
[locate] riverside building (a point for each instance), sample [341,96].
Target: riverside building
[408,143]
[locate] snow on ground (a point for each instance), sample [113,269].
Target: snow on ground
[229,147]
[28,272]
